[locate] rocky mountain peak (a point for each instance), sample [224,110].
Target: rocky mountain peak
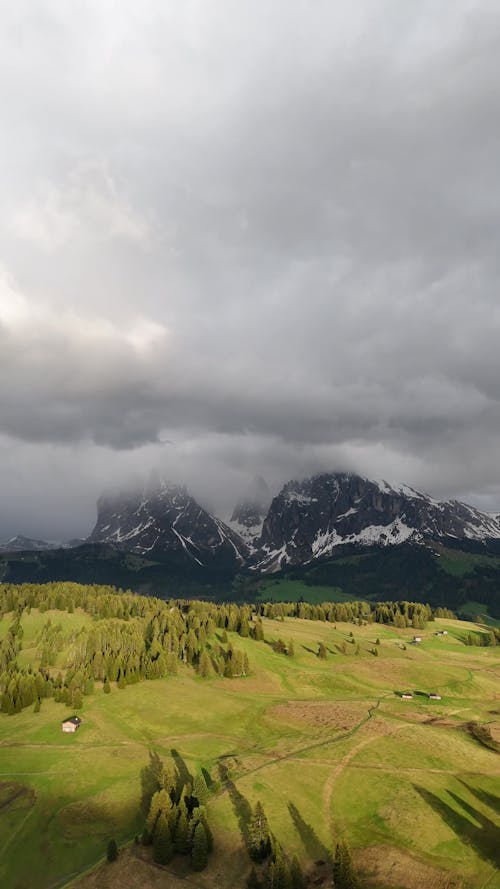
[165,518]
[310,518]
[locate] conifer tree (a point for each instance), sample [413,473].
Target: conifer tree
[106,687]
[161,803]
[112,851]
[200,790]
[205,666]
[162,841]
[322,651]
[296,875]
[199,854]
[343,871]
[258,631]
[181,834]
[259,836]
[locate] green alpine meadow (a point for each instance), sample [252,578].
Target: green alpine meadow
[149,743]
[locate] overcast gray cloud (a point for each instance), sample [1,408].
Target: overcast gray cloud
[244,237]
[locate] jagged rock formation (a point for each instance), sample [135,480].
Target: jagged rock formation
[310,519]
[164,518]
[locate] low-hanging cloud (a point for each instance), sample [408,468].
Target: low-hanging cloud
[244,238]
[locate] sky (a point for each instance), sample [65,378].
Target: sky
[243,238]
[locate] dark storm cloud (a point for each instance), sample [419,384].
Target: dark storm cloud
[266,233]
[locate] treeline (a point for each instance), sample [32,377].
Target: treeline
[130,639]
[133,638]
[400,614]
[485,639]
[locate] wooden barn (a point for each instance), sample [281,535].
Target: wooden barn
[71,724]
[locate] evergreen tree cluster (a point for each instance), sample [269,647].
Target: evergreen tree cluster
[134,638]
[400,614]
[484,640]
[272,868]
[177,819]
[131,638]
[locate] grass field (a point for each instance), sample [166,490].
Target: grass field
[286,590]
[329,748]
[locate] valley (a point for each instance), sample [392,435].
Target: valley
[328,746]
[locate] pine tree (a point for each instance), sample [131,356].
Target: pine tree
[296,875]
[343,871]
[161,803]
[162,841]
[112,851]
[200,790]
[38,704]
[205,666]
[259,837]
[322,651]
[290,648]
[181,834]
[199,854]
[106,687]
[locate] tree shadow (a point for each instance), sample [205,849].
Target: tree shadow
[150,780]
[183,775]
[207,776]
[481,833]
[489,799]
[241,806]
[310,650]
[314,847]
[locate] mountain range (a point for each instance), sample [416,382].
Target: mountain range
[306,521]
[160,535]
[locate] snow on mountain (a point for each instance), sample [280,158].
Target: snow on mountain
[309,519]
[164,518]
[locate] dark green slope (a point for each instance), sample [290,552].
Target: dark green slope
[450,575]
[162,575]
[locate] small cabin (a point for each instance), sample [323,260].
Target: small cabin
[434,696]
[71,724]
[445,632]
[439,633]
[407,696]
[416,639]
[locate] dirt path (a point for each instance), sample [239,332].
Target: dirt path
[339,768]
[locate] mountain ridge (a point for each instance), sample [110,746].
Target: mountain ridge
[306,520]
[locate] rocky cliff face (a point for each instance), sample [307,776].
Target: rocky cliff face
[164,518]
[309,519]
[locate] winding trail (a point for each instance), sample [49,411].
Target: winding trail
[339,768]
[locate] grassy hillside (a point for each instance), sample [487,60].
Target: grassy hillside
[328,746]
